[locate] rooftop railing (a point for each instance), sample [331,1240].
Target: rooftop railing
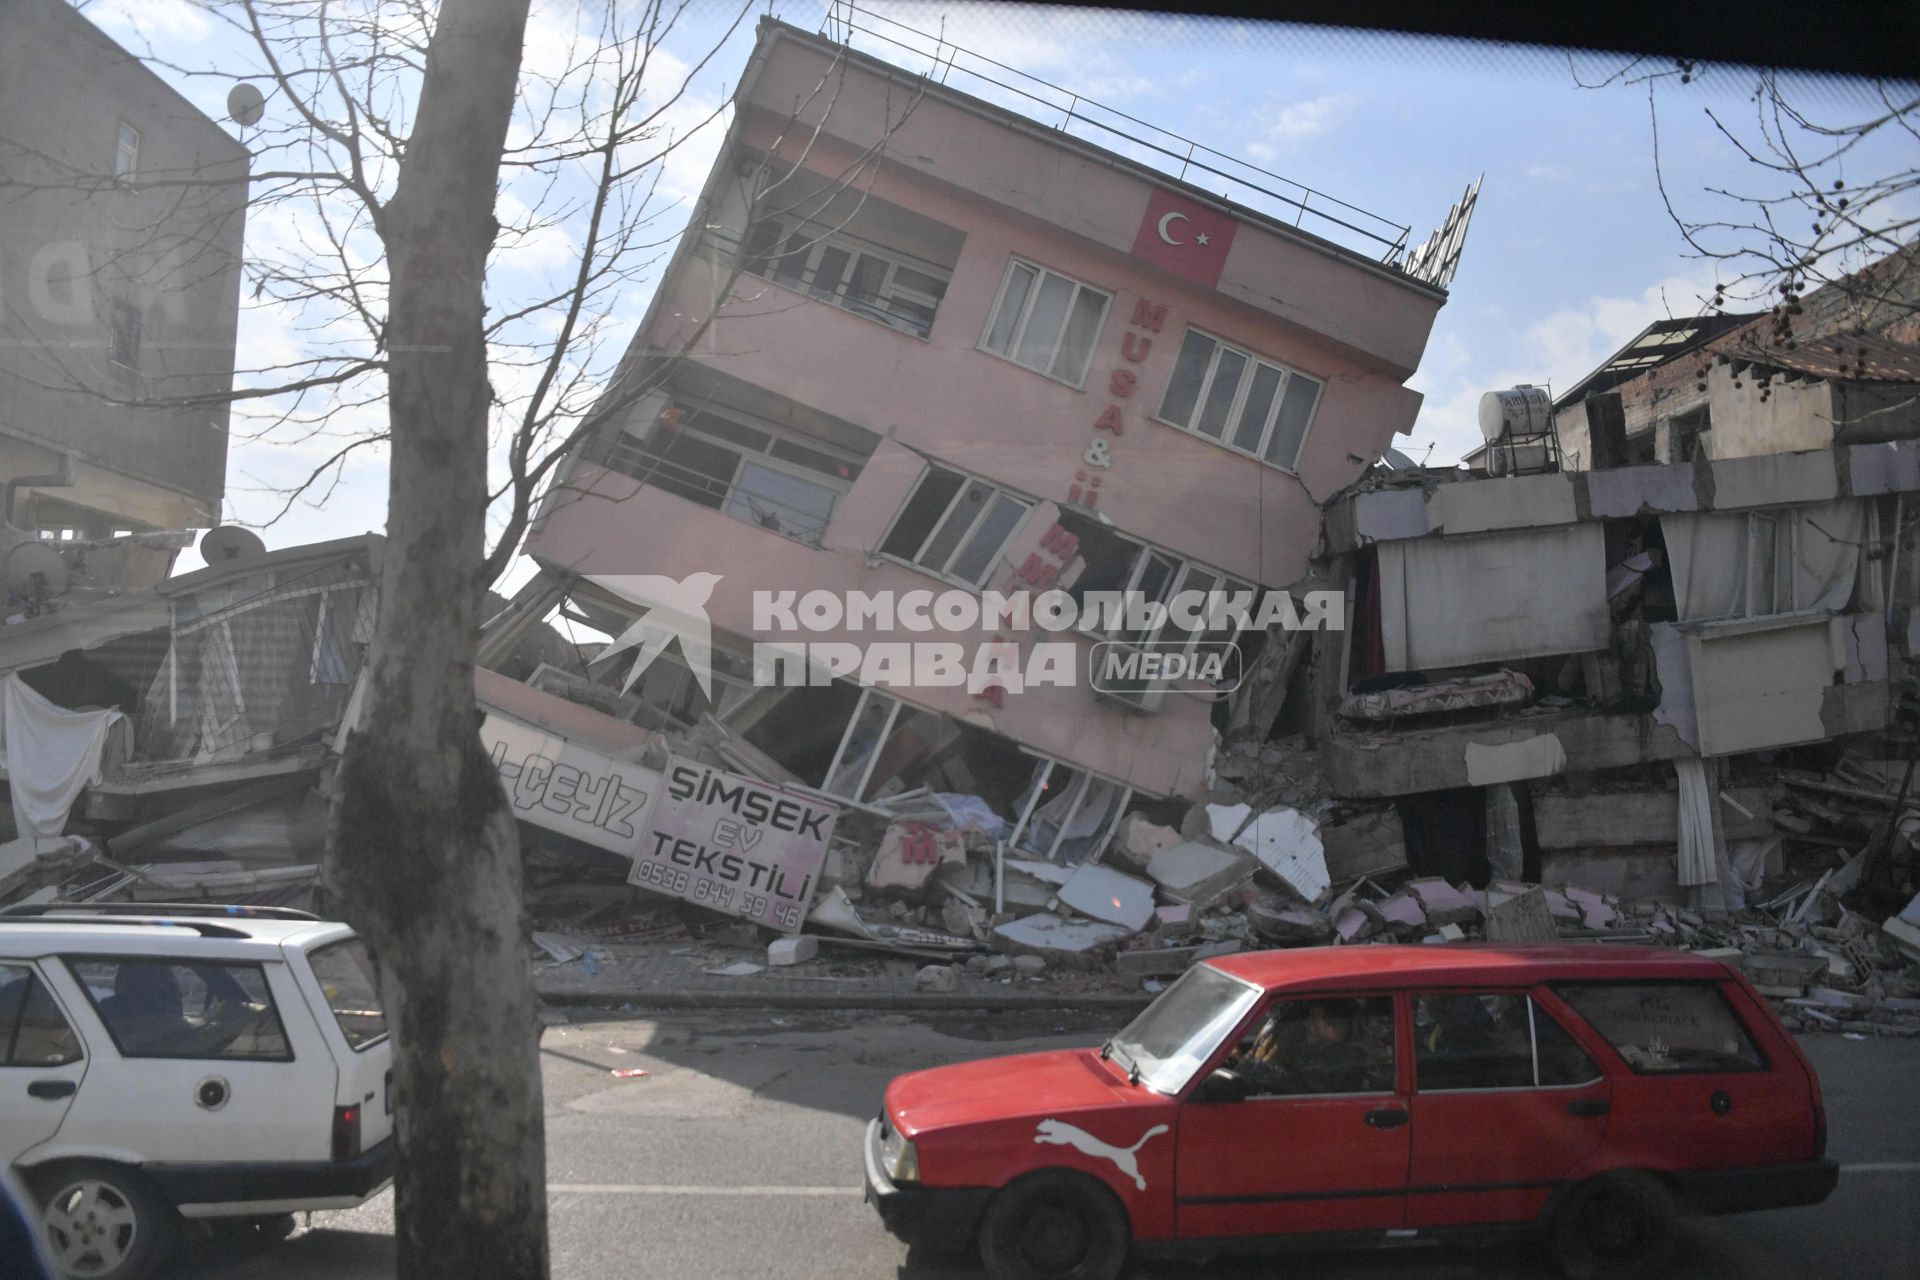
[1261,190]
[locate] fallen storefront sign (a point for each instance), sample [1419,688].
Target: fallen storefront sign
[735,845]
[564,787]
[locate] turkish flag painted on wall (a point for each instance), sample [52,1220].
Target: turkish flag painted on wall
[1185,237]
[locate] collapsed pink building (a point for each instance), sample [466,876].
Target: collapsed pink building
[916,341]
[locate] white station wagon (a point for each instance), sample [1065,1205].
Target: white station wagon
[161,1062]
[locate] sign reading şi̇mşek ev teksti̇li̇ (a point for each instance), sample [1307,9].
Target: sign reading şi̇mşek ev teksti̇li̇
[727,842]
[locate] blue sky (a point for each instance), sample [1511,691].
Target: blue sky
[1571,251]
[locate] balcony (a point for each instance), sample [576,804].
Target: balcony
[779,476]
[838,244]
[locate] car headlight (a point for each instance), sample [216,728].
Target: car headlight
[906,1164]
[901,1159]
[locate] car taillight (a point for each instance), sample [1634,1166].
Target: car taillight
[346,1132]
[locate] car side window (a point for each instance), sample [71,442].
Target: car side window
[1667,1028]
[1472,1042]
[1562,1061]
[157,1008]
[33,1032]
[1318,1046]
[1493,1041]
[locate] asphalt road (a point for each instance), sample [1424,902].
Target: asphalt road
[739,1156]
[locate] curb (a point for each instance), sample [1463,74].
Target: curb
[893,1001]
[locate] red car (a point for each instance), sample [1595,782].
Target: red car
[1369,1095]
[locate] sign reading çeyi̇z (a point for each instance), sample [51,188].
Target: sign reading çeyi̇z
[730,843]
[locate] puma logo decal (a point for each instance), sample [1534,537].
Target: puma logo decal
[1062,1134]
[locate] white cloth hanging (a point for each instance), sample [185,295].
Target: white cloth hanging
[51,755]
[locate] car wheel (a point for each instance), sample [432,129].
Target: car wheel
[103,1222]
[1618,1226]
[1055,1226]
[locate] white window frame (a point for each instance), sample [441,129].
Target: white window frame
[1245,388]
[1085,784]
[1223,582]
[1766,530]
[1026,314]
[820,241]
[846,737]
[762,457]
[967,481]
[126,160]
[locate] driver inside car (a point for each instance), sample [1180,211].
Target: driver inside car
[1308,1048]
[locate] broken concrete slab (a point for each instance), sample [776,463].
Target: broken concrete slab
[1200,873]
[1290,925]
[1138,840]
[1372,843]
[1286,842]
[798,949]
[1080,943]
[937,977]
[1401,911]
[1101,893]
[1443,903]
[1519,917]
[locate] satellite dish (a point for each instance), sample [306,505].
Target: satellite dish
[35,570]
[230,544]
[246,104]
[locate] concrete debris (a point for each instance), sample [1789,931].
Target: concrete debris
[1442,903]
[1286,842]
[785,952]
[1199,873]
[1520,917]
[937,977]
[1287,925]
[1076,943]
[1101,893]
[1029,966]
[1368,842]
[1137,842]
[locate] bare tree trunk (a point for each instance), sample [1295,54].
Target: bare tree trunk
[423,855]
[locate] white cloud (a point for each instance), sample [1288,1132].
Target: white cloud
[1293,123]
[150,19]
[1548,173]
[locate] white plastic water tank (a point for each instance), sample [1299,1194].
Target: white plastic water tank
[1522,411]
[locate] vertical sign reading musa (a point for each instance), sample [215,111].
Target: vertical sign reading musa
[735,845]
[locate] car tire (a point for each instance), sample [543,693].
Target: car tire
[1055,1225]
[1618,1226]
[104,1221]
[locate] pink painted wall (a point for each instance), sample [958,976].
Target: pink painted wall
[611,526]
[1027,168]
[1001,420]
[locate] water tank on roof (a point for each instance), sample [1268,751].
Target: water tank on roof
[1515,414]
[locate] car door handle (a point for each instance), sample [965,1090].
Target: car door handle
[1386,1117]
[1589,1107]
[53,1088]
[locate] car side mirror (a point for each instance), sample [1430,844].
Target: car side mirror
[1224,1085]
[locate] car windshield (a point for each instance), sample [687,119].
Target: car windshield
[1166,1044]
